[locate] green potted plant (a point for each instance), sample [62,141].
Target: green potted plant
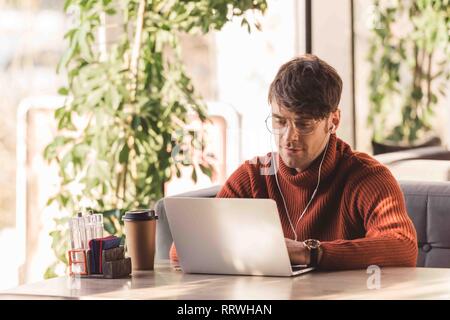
[409,53]
[128,103]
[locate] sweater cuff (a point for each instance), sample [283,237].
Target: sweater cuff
[361,253]
[332,255]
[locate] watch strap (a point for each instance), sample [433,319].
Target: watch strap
[313,257]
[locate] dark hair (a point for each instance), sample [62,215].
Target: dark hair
[307,85]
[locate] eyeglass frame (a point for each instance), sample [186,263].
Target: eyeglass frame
[292,121]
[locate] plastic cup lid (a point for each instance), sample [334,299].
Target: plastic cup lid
[140,215]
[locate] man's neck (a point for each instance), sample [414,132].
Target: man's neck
[303,168]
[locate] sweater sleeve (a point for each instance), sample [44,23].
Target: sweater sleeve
[238,185]
[390,237]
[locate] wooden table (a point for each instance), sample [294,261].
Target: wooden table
[166,283]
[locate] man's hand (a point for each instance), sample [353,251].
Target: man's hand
[298,253]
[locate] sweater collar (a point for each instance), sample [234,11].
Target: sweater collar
[308,177]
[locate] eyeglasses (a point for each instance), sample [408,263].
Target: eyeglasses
[279,125]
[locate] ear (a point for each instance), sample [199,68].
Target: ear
[335,120]
[332,128]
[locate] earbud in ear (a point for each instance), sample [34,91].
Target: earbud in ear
[332,128]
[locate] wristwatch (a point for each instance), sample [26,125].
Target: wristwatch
[313,247]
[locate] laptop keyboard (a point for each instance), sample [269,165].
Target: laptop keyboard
[297,267]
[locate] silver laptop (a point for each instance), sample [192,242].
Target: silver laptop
[229,236]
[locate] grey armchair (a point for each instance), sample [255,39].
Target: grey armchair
[428,205]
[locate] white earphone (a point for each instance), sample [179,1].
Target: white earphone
[333,127]
[314,192]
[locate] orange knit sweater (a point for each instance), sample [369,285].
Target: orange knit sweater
[358,213]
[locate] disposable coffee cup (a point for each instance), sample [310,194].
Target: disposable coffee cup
[140,232]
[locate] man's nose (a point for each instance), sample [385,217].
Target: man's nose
[291,133]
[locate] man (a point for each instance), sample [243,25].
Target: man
[339,209]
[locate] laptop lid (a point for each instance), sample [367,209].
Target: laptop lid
[228,236]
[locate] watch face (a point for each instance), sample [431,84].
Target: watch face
[312,243]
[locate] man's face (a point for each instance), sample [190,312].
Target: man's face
[296,149]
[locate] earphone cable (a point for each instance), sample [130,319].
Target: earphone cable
[312,196]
